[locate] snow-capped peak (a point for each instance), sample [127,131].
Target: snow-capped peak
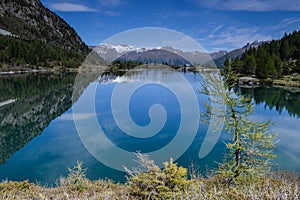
[120,48]
[111,52]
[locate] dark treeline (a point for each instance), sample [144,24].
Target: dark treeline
[124,64]
[271,59]
[15,51]
[274,97]
[129,64]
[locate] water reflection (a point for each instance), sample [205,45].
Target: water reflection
[149,111]
[29,103]
[276,97]
[39,141]
[281,105]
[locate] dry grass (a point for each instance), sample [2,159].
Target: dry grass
[288,81]
[279,187]
[94,190]
[171,180]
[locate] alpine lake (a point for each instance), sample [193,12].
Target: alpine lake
[39,138]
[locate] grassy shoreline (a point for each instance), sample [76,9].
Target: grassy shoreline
[24,70]
[158,184]
[278,187]
[288,81]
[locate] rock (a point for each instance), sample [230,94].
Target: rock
[248,81]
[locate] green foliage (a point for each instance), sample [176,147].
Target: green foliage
[31,53]
[30,20]
[124,64]
[76,179]
[155,183]
[271,59]
[39,38]
[250,151]
[231,79]
[249,64]
[129,64]
[237,65]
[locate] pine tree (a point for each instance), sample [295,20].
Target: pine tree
[226,65]
[262,63]
[284,50]
[271,59]
[278,64]
[249,64]
[237,65]
[250,151]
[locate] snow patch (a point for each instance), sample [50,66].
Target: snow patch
[7,102]
[5,32]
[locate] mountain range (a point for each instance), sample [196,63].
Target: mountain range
[165,54]
[32,35]
[111,53]
[237,52]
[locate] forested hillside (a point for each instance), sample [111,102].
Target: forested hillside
[33,36]
[272,59]
[35,53]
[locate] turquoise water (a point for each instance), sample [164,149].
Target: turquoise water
[39,139]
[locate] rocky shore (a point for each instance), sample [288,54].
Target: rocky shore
[286,81]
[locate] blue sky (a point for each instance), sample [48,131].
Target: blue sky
[215,24]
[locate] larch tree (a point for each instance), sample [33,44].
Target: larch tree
[250,150]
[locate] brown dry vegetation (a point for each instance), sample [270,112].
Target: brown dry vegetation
[171,182]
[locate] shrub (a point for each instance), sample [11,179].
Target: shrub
[76,179]
[151,182]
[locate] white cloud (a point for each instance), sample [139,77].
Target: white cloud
[163,16]
[286,24]
[111,13]
[112,3]
[235,37]
[291,20]
[71,7]
[211,35]
[252,5]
